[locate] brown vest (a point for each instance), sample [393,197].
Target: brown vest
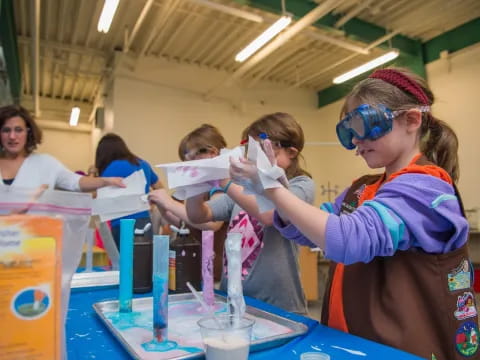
[409,300]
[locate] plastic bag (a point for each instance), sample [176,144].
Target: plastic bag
[75,210]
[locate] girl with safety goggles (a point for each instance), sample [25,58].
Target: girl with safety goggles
[397,240]
[368,122]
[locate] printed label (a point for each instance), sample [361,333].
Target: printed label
[30,287]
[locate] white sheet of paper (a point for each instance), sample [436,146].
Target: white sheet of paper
[266,172]
[190,177]
[113,202]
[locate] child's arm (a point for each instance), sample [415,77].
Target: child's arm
[175,212]
[249,204]
[197,210]
[301,214]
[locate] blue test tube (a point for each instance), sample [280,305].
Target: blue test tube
[160,287]
[126,265]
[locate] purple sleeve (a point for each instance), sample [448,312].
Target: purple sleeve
[357,237]
[290,231]
[411,211]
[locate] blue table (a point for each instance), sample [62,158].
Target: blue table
[88,338]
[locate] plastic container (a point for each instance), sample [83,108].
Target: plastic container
[226,337]
[142,258]
[185,261]
[314,356]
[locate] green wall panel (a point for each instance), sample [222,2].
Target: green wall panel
[8,39]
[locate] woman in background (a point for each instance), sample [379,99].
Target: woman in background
[21,166]
[114,159]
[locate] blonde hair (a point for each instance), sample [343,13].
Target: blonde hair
[283,128]
[205,135]
[438,141]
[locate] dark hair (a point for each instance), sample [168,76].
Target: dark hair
[438,141]
[34,133]
[204,135]
[112,147]
[282,128]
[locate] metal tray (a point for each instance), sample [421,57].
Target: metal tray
[279,329]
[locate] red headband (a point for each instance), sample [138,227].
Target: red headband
[403,82]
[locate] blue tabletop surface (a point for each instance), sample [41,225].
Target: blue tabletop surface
[88,338]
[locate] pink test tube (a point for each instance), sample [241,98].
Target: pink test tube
[207,267]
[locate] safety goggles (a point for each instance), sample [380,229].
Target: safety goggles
[193,154]
[275,143]
[367,122]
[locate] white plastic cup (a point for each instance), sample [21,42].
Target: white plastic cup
[226,337]
[314,356]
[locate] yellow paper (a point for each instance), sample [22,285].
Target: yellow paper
[30,287]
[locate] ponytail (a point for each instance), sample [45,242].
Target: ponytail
[439,144]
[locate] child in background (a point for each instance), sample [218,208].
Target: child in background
[202,143]
[270,262]
[114,158]
[397,239]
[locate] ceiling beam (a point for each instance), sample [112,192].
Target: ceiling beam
[138,24]
[354,29]
[77,49]
[453,40]
[307,20]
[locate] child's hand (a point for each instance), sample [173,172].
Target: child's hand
[243,169]
[160,198]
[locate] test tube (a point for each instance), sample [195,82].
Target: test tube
[207,267]
[160,287]
[126,265]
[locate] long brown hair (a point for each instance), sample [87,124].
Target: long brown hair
[284,129]
[204,135]
[112,147]
[34,133]
[438,141]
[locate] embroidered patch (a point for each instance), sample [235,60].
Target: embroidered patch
[460,277]
[466,339]
[465,306]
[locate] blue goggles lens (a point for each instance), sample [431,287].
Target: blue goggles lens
[365,122]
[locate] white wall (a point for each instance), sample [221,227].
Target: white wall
[456,84]
[73,149]
[156,106]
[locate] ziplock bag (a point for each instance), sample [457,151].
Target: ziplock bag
[75,210]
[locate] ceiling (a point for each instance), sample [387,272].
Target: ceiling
[75,59]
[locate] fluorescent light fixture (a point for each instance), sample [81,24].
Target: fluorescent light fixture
[74,116]
[367,66]
[106,17]
[263,38]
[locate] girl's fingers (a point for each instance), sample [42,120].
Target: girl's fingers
[267,147]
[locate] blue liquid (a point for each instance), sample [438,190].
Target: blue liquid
[160,307]
[123,321]
[163,346]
